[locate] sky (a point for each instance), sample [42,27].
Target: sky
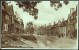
[46,13]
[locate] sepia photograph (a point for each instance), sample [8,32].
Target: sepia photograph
[39,24]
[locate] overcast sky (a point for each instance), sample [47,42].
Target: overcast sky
[46,13]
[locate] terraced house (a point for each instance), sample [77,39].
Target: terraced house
[10,22]
[66,28]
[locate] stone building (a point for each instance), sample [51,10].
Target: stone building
[6,18]
[62,28]
[18,25]
[72,23]
[21,26]
[13,24]
[55,29]
[66,28]
[10,23]
[41,30]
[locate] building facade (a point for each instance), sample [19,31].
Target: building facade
[10,23]
[64,28]
[67,28]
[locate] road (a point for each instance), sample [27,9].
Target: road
[48,42]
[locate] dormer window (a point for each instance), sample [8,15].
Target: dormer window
[71,10]
[7,17]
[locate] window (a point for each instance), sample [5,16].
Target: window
[7,17]
[5,27]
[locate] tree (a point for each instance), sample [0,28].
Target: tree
[54,2]
[30,6]
[29,28]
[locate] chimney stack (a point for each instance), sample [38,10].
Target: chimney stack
[71,10]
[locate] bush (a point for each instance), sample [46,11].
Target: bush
[15,37]
[29,37]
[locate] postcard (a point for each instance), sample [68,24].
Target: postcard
[39,24]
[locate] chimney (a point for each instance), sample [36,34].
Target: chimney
[76,10]
[71,10]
